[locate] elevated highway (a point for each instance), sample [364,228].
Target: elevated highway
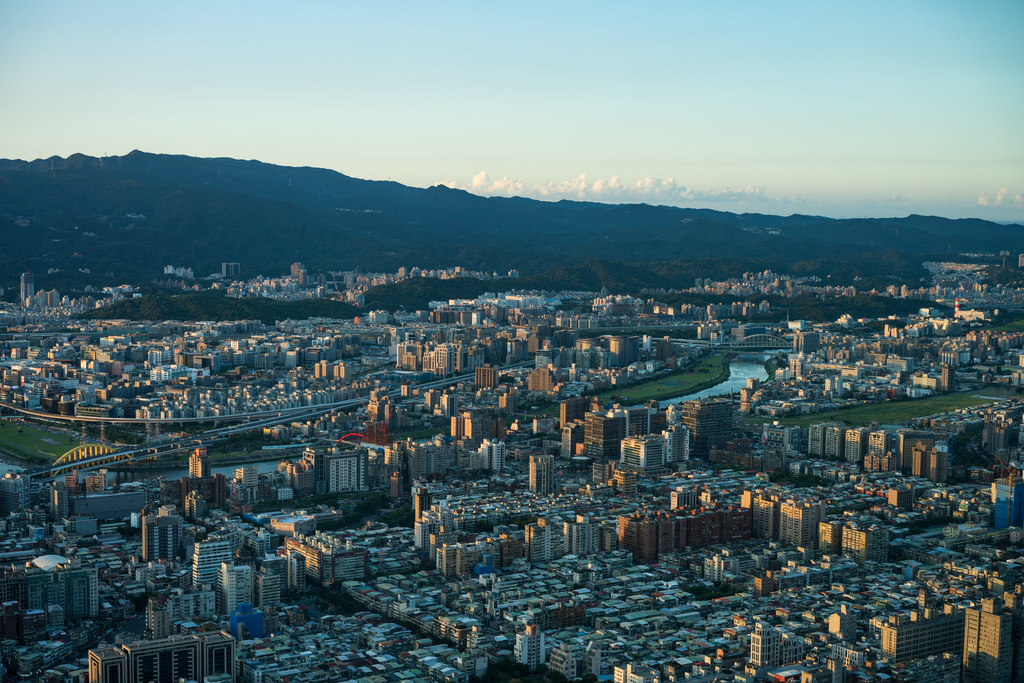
[90,456]
[756,341]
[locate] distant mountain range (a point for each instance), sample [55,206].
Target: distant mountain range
[132,215]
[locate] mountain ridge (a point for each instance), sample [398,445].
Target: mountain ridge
[85,212]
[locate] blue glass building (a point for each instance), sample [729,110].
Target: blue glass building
[1009,502]
[249,619]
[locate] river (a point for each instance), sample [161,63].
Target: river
[124,476]
[742,367]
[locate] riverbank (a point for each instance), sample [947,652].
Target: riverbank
[710,372]
[262,456]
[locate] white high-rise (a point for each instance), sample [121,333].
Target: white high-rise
[765,646]
[580,537]
[346,471]
[491,456]
[529,648]
[206,561]
[234,586]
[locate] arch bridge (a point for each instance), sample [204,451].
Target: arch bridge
[94,455]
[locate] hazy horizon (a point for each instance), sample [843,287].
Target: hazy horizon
[876,110]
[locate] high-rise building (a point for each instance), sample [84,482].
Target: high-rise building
[158,620]
[947,378]
[580,537]
[765,646]
[830,538]
[268,589]
[199,464]
[826,440]
[347,471]
[603,433]
[902,497]
[806,342]
[857,441]
[907,441]
[542,475]
[529,648]
[296,571]
[988,647]
[878,443]
[710,424]
[14,490]
[486,377]
[564,662]
[28,287]
[924,633]
[685,498]
[195,505]
[929,463]
[868,544]
[107,664]
[592,659]
[316,462]
[328,561]
[58,501]
[624,483]
[573,409]
[543,541]
[646,536]
[491,456]
[1008,502]
[234,586]
[206,560]
[677,445]
[643,454]
[799,522]
[195,657]
[161,535]
[766,513]
[229,269]
[421,500]
[573,434]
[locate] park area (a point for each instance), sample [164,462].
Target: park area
[670,386]
[31,444]
[890,412]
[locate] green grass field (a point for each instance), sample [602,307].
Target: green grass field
[1013,325]
[893,412]
[31,443]
[669,386]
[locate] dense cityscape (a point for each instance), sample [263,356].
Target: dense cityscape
[571,483]
[603,342]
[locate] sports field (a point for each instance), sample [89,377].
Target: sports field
[31,443]
[670,386]
[892,412]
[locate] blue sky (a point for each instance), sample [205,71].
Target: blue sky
[842,109]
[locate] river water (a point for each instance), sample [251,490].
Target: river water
[121,477]
[742,367]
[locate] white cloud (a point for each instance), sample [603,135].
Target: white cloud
[1001,195]
[983,200]
[614,189]
[482,184]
